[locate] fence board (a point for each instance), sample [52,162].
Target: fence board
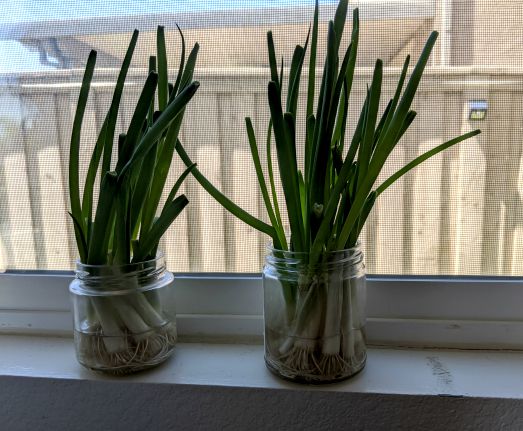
[471,202]
[46,181]
[16,222]
[517,246]
[205,148]
[427,187]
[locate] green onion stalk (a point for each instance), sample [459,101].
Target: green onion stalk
[125,225]
[330,194]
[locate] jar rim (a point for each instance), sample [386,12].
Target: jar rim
[99,278]
[272,249]
[299,261]
[159,256]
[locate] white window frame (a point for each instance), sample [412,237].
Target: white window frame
[463,312]
[411,311]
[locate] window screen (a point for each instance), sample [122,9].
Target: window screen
[459,213]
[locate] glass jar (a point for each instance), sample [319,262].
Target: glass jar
[314,315]
[124,317]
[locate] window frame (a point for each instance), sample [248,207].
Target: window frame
[463,312]
[409,311]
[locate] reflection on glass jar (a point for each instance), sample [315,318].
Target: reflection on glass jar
[124,317]
[314,315]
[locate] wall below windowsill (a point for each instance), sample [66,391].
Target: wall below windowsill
[226,386]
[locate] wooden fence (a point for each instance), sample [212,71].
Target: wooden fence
[459,213]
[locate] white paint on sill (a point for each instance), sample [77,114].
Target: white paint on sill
[388,371]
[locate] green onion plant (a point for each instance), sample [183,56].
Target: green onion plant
[126,224]
[329,201]
[330,194]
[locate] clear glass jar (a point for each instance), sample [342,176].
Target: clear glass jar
[314,315]
[124,317]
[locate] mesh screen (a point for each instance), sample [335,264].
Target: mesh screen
[458,213]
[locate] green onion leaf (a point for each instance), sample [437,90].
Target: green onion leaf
[74,149]
[150,241]
[163,88]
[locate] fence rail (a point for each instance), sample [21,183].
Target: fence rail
[459,213]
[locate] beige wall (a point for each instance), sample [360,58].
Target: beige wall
[479,32]
[498,32]
[486,32]
[247,46]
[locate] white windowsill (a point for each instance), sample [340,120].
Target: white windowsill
[388,370]
[401,311]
